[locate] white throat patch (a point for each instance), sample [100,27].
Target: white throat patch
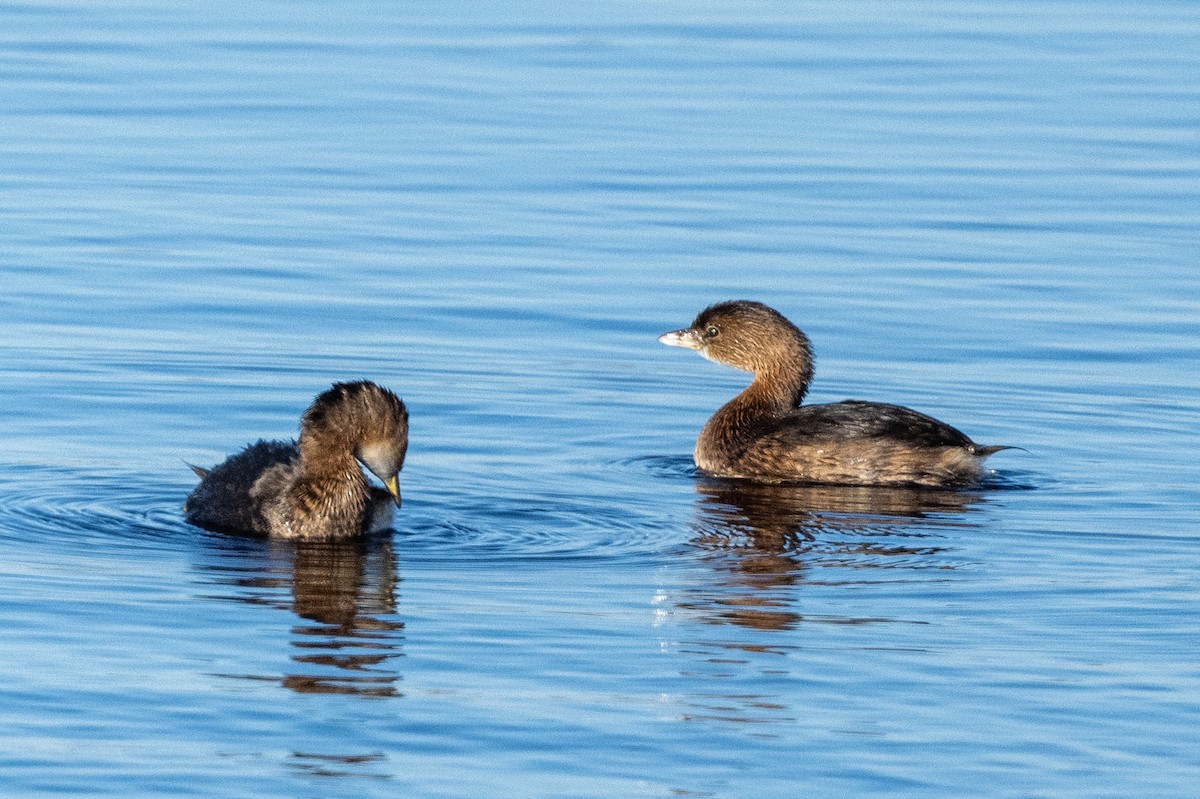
[376,457]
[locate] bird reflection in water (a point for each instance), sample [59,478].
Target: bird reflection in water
[344,595]
[345,592]
[764,539]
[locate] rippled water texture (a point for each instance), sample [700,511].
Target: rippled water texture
[988,212]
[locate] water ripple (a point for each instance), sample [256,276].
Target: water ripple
[554,528]
[78,508]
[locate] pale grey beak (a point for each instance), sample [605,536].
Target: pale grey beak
[681,338]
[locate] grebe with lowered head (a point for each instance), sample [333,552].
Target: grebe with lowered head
[313,488]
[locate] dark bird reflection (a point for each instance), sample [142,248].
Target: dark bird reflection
[763,540]
[346,639]
[347,592]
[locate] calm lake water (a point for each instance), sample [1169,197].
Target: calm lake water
[989,212]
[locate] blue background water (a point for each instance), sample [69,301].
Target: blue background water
[986,211]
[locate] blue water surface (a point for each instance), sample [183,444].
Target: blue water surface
[985,211]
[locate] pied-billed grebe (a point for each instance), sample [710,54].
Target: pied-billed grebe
[765,434]
[313,488]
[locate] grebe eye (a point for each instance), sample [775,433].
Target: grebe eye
[712,332]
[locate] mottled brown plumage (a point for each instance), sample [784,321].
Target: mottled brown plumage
[313,488]
[765,433]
